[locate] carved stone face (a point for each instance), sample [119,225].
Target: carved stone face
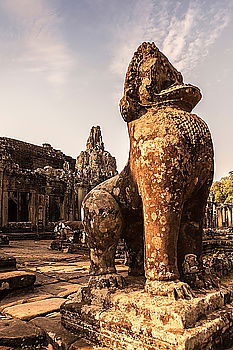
[151,80]
[190,264]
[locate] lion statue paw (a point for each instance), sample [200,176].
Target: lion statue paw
[109,281]
[172,289]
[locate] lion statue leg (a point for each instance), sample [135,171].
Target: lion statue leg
[133,236]
[103,225]
[158,171]
[191,227]
[162,221]
[190,241]
[162,217]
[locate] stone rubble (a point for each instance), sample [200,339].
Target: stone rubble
[69,237]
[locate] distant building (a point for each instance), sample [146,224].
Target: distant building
[40,185]
[218,215]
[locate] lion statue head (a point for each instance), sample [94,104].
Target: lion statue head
[151,80]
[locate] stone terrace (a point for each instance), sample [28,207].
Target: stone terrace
[33,314]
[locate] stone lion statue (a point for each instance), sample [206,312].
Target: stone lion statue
[157,203]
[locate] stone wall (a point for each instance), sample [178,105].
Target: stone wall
[29,156]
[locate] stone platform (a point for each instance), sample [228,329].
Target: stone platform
[132,319]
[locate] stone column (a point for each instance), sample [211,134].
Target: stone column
[225,216]
[32,209]
[81,193]
[5,208]
[219,217]
[229,215]
[1,193]
[46,210]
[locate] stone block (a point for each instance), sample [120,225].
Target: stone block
[16,279]
[19,334]
[4,240]
[56,334]
[62,289]
[23,296]
[7,263]
[28,311]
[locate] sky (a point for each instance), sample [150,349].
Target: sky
[63,63]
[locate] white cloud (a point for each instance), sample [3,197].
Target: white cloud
[184,34]
[49,56]
[197,38]
[24,8]
[175,42]
[129,32]
[38,44]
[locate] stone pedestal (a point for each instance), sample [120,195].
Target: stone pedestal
[133,319]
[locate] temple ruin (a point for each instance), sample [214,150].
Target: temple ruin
[218,215]
[143,274]
[40,185]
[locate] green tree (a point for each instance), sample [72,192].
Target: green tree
[223,189]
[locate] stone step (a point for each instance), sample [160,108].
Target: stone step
[82,344]
[16,279]
[56,334]
[17,236]
[59,337]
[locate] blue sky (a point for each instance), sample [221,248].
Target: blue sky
[62,67]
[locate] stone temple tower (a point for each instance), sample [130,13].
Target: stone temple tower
[94,165]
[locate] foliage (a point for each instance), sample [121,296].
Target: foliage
[223,189]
